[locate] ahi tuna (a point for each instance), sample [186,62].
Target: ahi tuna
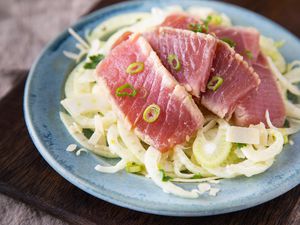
[180,21]
[244,39]
[146,96]
[187,55]
[236,79]
[203,58]
[252,109]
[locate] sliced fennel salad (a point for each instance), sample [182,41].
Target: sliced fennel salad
[219,149]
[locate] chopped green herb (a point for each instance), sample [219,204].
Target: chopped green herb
[196,27]
[87,133]
[206,22]
[165,177]
[240,145]
[197,176]
[94,60]
[249,54]
[229,41]
[201,27]
[138,19]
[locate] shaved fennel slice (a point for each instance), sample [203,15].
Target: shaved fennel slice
[140,27]
[269,48]
[132,142]
[293,128]
[96,48]
[152,158]
[263,133]
[269,122]
[69,85]
[116,22]
[181,156]
[265,153]
[292,110]
[79,81]
[211,153]
[85,103]
[112,169]
[200,12]
[108,119]
[247,168]
[245,135]
[184,180]
[71,148]
[293,64]
[82,140]
[87,76]
[166,164]
[78,153]
[116,146]
[282,79]
[78,38]
[209,125]
[204,12]
[98,137]
[85,122]
[293,75]
[177,170]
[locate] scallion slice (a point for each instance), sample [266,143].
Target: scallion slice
[174,62]
[215,83]
[135,68]
[121,91]
[132,167]
[249,54]
[151,113]
[229,41]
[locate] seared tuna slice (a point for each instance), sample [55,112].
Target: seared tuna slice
[236,79]
[187,55]
[244,39]
[146,96]
[252,109]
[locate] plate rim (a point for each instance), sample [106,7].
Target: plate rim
[114,199]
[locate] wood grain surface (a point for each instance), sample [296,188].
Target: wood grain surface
[25,175]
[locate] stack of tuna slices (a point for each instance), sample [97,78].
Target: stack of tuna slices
[150,78]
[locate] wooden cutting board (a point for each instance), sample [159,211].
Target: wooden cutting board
[26,176]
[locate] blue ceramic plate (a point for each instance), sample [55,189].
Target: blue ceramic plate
[44,89]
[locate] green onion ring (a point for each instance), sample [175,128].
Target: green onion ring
[151,113]
[135,68]
[121,93]
[215,83]
[174,58]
